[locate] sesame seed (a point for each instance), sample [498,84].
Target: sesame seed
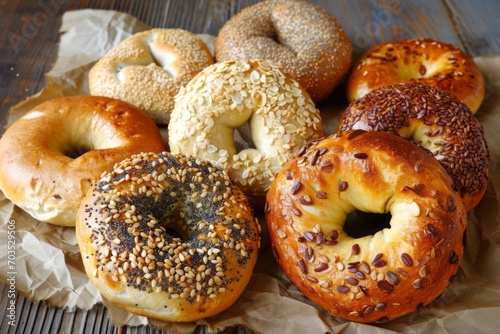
[327,34]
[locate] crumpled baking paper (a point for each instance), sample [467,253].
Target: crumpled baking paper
[48,264]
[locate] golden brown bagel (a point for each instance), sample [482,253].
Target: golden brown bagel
[51,155]
[372,278]
[131,254]
[437,121]
[148,68]
[308,42]
[423,61]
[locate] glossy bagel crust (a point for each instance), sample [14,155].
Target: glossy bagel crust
[131,254]
[372,278]
[148,68]
[423,61]
[52,155]
[308,42]
[229,95]
[437,121]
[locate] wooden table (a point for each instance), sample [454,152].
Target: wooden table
[29,40]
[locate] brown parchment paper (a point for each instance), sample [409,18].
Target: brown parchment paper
[48,265]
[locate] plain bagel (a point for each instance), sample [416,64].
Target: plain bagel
[52,155]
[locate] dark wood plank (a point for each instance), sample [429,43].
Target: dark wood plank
[43,323]
[36,311]
[57,320]
[23,308]
[67,322]
[371,22]
[81,319]
[28,50]
[101,317]
[478,25]
[209,15]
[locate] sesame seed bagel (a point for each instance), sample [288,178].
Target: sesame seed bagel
[308,42]
[437,121]
[228,95]
[148,68]
[372,277]
[168,237]
[418,61]
[52,155]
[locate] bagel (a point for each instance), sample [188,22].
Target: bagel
[373,277]
[51,155]
[308,42]
[148,68]
[228,95]
[168,237]
[423,61]
[437,121]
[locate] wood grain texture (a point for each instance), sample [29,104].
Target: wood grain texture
[478,25]
[371,22]
[28,44]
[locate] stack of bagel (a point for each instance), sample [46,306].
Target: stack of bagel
[167,228]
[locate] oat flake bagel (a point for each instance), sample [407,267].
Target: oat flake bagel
[148,68]
[51,155]
[227,95]
[418,61]
[168,237]
[372,278]
[308,42]
[434,119]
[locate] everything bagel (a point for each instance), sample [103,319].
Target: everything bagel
[168,236]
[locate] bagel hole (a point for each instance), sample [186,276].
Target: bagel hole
[243,138]
[173,225]
[360,224]
[175,233]
[75,152]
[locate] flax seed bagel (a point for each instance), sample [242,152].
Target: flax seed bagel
[51,155]
[375,277]
[437,121]
[228,95]
[148,68]
[422,60]
[308,42]
[168,237]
